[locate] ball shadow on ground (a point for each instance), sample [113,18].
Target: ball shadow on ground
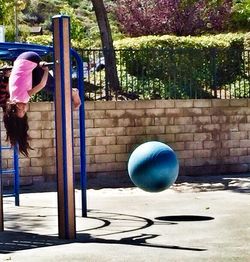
[184,218]
[14,239]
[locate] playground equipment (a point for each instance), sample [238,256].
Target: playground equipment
[153,166]
[64,147]
[13,171]
[63,114]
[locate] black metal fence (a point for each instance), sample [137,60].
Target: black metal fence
[168,74]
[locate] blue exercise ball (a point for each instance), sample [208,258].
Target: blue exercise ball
[153,166]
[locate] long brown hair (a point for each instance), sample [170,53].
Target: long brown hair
[16,129]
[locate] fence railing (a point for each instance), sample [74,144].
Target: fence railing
[168,74]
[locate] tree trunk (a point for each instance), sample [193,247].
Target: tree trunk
[112,81]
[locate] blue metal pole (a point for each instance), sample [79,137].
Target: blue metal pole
[1,190]
[16,175]
[83,175]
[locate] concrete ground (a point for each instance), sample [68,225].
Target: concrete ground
[198,219]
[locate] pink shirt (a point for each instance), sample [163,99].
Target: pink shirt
[20,81]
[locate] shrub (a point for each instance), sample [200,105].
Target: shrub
[241,15]
[40,39]
[187,66]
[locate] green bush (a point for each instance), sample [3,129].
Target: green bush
[240,15]
[40,39]
[9,34]
[187,66]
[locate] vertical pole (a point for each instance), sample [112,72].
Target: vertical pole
[64,128]
[16,180]
[1,188]
[1,206]
[83,175]
[16,22]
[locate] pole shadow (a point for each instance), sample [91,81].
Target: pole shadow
[12,241]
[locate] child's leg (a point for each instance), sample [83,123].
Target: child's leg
[76,98]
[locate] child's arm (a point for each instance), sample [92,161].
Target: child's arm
[42,84]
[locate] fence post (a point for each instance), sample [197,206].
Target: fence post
[213,71]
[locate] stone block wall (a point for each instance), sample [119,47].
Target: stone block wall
[208,136]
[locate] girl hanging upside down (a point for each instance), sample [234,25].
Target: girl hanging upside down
[29,75]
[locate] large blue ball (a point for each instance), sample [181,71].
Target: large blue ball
[153,166]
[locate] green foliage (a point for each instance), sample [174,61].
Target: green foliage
[183,66]
[239,89]
[41,96]
[85,33]
[77,28]
[7,19]
[40,39]
[247,40]
[84,28]
[7,12]
[205,41]
[39,12]
[9,33]
[24,32]
[241,15]
[153,66]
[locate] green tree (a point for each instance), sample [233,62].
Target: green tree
[241,15]
[9,10]
[39,12]
[79,32]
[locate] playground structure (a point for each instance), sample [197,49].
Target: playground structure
[13,172]
[63,116]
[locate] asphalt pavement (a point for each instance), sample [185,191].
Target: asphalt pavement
[197,219]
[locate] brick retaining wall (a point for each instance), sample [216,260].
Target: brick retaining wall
[209,136]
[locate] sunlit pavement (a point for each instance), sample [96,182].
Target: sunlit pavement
[200,221]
